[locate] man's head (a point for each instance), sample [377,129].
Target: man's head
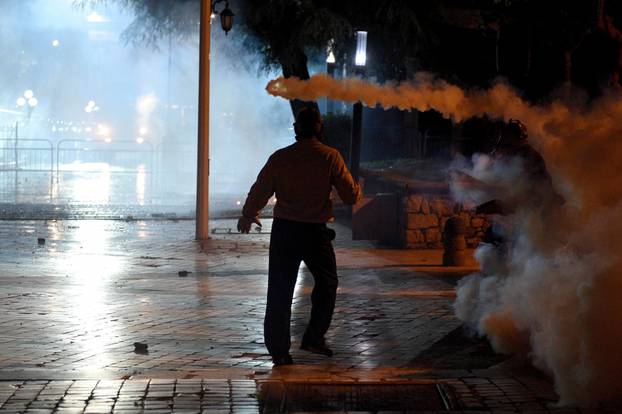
[513,134]
[308,124]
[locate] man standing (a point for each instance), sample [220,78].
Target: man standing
[301,176]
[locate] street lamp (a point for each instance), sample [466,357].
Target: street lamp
[360,59]
[330,70]
[226,21]
[29,98]
[91,106]
[226,15]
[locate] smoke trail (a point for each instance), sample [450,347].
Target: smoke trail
[558,295]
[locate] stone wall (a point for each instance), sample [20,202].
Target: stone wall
[423,208]
[422,218]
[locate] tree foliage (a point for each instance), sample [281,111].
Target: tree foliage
[155,19]
[466,41]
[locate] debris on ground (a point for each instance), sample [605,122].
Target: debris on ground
[141,348]
[183,273]
[41,241]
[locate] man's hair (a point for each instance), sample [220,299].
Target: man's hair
[308,123]
[515,130]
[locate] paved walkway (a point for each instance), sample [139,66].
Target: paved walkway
[74,304]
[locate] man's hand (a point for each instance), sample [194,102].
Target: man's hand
[245,224]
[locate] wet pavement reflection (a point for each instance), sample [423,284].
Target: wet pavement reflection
[75,304]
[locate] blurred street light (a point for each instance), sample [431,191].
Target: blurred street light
[21,101]
[55,43]
[28,94]
[90,107]
[140,140]
[360,58]
[331,57]
[95,17]
[143,130]
[33,102]
[330,70]
[103,130]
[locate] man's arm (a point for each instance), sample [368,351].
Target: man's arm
[257,197]
[348,190]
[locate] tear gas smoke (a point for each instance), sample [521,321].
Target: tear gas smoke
[90,85]
[246,124]
[558,294]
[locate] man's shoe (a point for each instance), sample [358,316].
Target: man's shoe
[283,360]
[321,349]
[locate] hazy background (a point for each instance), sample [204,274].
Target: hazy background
[115,124]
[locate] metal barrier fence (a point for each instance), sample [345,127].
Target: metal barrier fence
[71,170]
[26,168]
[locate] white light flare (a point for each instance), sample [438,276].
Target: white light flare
[360,58]
[331,57]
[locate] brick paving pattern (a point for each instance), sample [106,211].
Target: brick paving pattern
[74,305]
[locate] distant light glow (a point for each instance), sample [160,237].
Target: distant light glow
[28,94]
[90,107]
[146,103]
[55,43]
[143,130]
[103,130]
[95,17]
[140,140]
[108,140]
[33,102]
[21,101]
[361,49]
[212,16]
[331,57]
[238,202]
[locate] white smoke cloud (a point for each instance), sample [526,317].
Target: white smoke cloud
[557,296]
[246,124]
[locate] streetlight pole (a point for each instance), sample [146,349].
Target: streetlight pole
[202,207]
[203,161]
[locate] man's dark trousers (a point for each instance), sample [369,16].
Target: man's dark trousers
[290,243]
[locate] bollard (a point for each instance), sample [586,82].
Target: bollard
[454,242]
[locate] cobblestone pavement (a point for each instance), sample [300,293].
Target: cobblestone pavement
[77,295]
